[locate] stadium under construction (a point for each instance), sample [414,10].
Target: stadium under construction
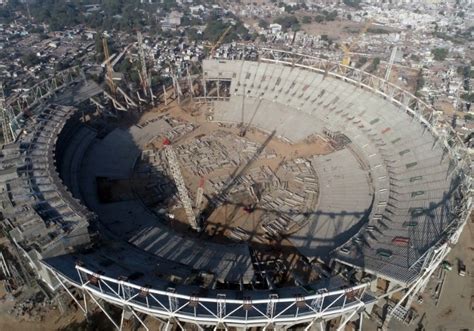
[275,190]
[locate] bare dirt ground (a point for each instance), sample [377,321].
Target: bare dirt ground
[54,321]
[455,309]
[227,217]
[339,30]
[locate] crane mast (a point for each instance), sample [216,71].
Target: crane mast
[179,181]
[144,73]
[392,59]
[108,66]
[199,194]
[219,42]
[7,133]
[346,60]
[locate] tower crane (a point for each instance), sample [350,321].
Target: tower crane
[144,73]
[390,63]
[179,181]
[108,65]
[218,42]
[200,194]
[392,59]
[346,60]
[7,133]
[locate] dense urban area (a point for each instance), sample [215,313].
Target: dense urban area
[126,124]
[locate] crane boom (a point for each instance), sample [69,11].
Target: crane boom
[346,60]
[219,41]
[390,63]
[200,194]
[179,181]
[7,133]
[108,66]
[144,72]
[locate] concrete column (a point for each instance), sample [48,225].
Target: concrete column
[391,286]
[373,285]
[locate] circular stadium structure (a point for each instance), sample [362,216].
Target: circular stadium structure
[349,174]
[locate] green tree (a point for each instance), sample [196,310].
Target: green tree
[331,16]
[420,82]
[319,18]
[375,63]
[352,3]
[288,22]
[30,59]
[361,61]
[440,54]
[262,23]
[306,19]
[469,97]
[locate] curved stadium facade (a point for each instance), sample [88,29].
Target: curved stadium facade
[393,198]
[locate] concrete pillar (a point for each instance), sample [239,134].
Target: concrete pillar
[391,286]
[373,285]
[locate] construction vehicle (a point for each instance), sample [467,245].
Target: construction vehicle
[461,268]
[446,265]
[346,60]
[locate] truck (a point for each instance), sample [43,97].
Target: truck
[446,265]
[461,268]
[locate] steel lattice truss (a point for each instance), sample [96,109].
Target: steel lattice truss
[179,181]
[269,310]
[246,312]
[405,100]
[25,103]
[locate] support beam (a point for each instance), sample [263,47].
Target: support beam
[127,99]
[117,105]
[103,310]
[344,320]
[165,96]
[84,309]
[139,319]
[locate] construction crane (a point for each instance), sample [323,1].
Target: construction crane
[7,133]
[218,42]
[200,194]
[244,128]
[108,65]
[346,60]
[144,73]
[179,181]
[390,63]
[392,59]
